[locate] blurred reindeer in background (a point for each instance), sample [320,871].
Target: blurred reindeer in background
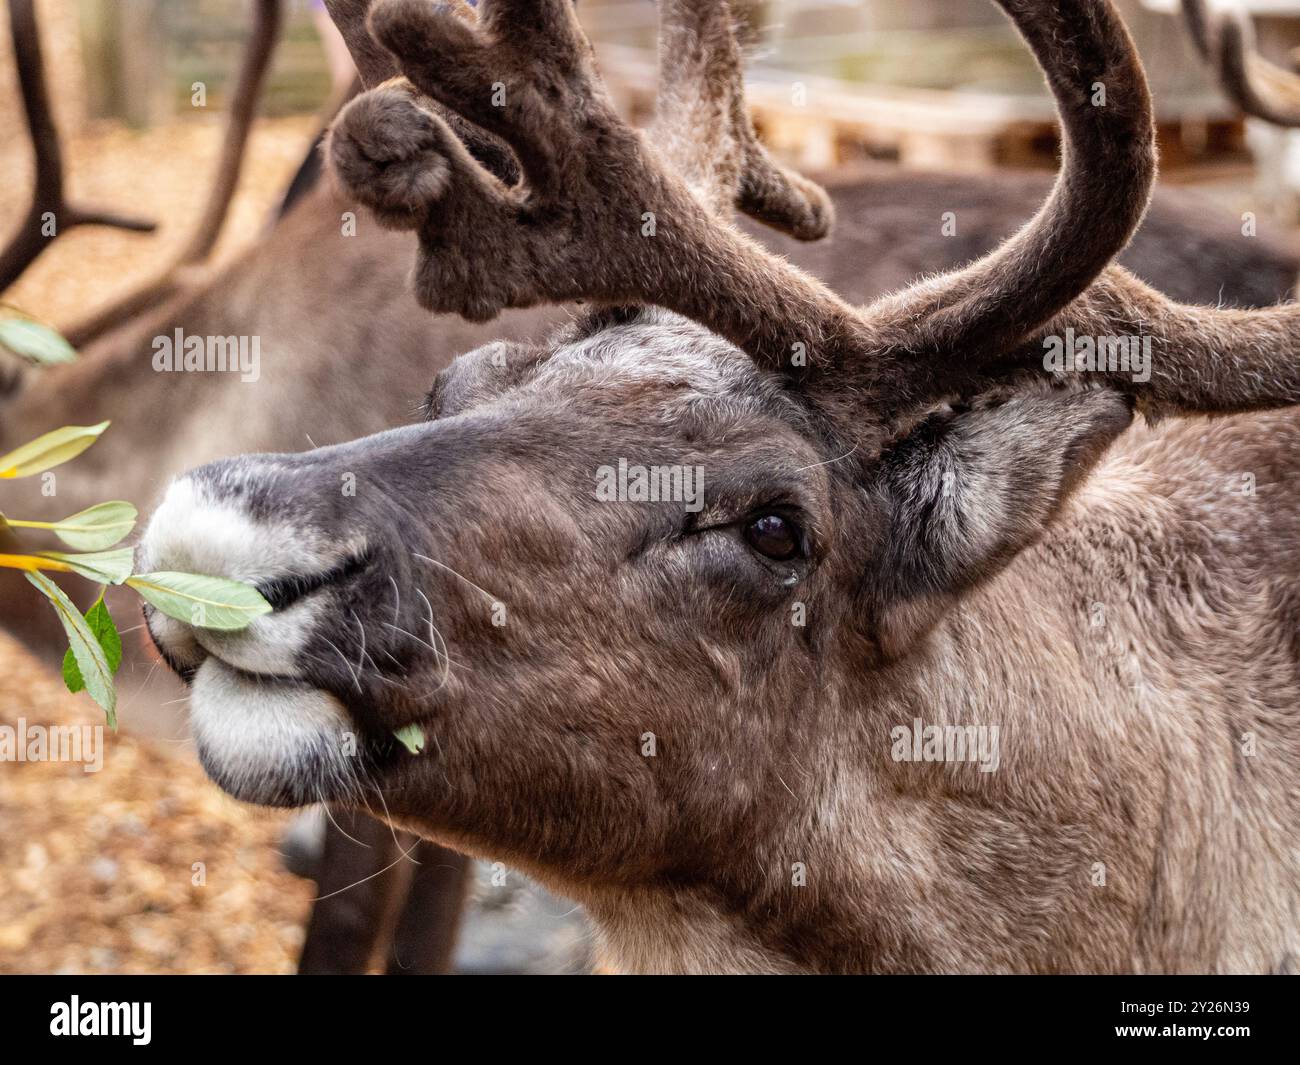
[347,352]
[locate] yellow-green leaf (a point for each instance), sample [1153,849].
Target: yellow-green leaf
[206,602]
[92,529]
[89,655]
[43,345]
[50,450]
[411,737]
[107,567]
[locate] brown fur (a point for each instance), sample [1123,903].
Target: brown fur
[951,566]
[681,864]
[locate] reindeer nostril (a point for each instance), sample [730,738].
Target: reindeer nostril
[283,592]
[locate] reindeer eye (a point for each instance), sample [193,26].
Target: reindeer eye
[773,536]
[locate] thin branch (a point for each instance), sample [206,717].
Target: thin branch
[267,22]
[50,213]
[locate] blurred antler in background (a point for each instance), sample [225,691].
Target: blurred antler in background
[185,269]
[1256,85]
[49,198]
[1225,39]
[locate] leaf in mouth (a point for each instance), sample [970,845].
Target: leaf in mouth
[411,737]
[204,602]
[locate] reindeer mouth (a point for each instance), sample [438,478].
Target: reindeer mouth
[269,737]
[265,733]
[270,740]
[286,591]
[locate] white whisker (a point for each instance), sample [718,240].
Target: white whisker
[405,854]
[330,814]
[356,680]
[440,565]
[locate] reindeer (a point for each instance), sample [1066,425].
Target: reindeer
[321,357]
[695,719]
[306,325]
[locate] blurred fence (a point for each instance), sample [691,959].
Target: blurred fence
[936,83]
[144,57]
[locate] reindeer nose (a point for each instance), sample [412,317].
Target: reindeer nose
[210,523]
[216,521]
[200,529]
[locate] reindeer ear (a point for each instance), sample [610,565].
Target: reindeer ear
[966,492]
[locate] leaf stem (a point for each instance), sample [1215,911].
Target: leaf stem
[32,563]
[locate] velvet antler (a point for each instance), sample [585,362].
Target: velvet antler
[607,214]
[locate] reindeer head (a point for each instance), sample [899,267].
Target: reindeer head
[625,578]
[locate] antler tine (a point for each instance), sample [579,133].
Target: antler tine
[1260,88]
[1197,23]
[602,217]
[1226,41]
[48,196]
[375,65]
[703,127]
[268,19]
[1205,360]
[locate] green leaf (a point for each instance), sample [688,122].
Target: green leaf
[93,529]
[43,345]
[50,450]
[85,647]
[411,737]
[101,624]
[206,602]
[107,567]
[97,528]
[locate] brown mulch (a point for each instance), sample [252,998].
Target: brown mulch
[98,870]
